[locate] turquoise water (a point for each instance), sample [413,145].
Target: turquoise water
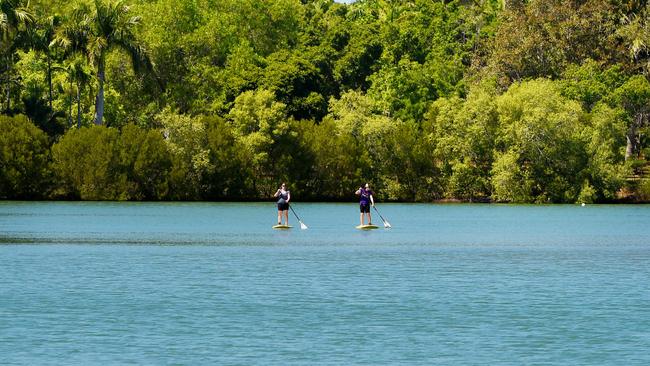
[212,283]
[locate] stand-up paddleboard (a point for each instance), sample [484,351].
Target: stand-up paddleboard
[282,227]
[367,227]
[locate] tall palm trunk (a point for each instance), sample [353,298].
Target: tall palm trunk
[8,84]
[99,102]
[70,106]
[49,80]
[78,105]
[7,97]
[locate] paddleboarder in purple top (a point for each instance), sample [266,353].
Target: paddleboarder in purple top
[284,196]
[365,201]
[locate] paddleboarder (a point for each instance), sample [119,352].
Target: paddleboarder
[365,201]
[284,196]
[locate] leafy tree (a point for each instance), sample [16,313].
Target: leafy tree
[465,132]
[24,159]
[86,164]
[242,71]
[408,171]
[232,176]
[187,141]
[296,80]
[404,90]
[605,143]
[511,180]
[169,25]
[100,163]
[360,57]
[374,133]
[259,122]
[147,162]
[634,97]
[539,144]
[590,82]
[338,164]
[540,38]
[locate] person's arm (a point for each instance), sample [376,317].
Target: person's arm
[358,192]
[288,196]
[277,193]
[372,200]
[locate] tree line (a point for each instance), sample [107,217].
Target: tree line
[478,100]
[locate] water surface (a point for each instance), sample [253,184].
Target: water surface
[212,283]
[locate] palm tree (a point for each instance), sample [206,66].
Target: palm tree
[40,39]
[636,32]
[14,16]
[78,74]
[96,31]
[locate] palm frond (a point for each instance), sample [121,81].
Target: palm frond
[140,58]
[4,23]
[96,48]
[24,16]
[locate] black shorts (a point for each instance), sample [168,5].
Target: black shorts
[283,206]
[364,208]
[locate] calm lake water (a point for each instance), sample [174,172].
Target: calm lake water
[212,283]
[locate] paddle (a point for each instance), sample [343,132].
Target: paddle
[386,223]
[302,226]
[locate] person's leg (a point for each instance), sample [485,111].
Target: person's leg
[361,216]
[369,218]
[286,217]
[279,217]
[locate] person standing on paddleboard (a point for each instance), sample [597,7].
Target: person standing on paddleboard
[284,197]
[365,201]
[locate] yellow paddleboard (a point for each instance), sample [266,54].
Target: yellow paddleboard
[367,227]
[282,227]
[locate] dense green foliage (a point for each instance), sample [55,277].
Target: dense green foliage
[512,101]
[24,159]
[96,163]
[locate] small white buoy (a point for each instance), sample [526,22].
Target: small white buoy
[583,204]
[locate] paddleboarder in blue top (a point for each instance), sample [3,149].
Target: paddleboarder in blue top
[284,197]
[365,201]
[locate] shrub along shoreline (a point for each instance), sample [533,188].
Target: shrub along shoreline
[206,160]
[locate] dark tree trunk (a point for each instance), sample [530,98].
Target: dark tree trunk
[99,102]
[8,85]
[49,81]
[70,106]
[78,105]
[633,148]
[8,96]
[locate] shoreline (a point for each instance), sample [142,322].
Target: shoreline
[449,201]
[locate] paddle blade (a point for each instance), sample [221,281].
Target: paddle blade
[303,226]
[387,224]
